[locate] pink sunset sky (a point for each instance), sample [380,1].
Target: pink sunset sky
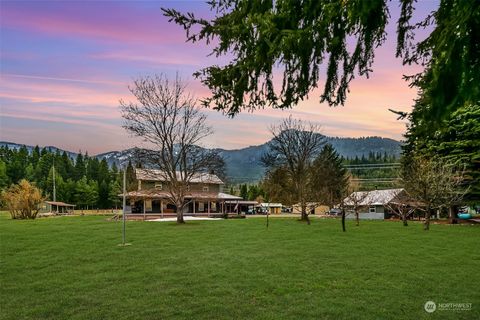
[65,65]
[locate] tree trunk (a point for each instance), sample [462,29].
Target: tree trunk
[305,215]
[404,219]
[357,218]
[426,224]
[343,220]
[179,213]
[452,215]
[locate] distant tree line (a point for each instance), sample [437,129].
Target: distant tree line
[372,158]
[252,192]
[380,176]
[86,181]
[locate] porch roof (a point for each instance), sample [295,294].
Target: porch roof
[158,194]
[60,204]
[158,175]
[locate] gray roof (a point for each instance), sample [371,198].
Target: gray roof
[158,175]
[374,197]
[222,195]
[270,205]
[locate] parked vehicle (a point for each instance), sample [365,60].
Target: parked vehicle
[334,212]
[261,210]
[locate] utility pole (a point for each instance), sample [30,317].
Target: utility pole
[54,189]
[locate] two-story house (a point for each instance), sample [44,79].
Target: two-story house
[204,196]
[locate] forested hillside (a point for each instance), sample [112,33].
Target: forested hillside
[86,181]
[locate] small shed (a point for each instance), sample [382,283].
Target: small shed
[273,208]
[57,207]
[312,208]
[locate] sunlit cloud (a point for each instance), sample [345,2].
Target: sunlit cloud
[100,21]
[66,65]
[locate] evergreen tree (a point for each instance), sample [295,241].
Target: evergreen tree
[459,142]
[43,168]
[244,192]
[278,186]
[67,165]
[92,196]
[93,166]
[79,171]
[82,193]
[70,189]
[114,191]
[330,178]
[448,86]
[131,177]
[114,173]
[35,156]
[103,172]
[30,173]
[253,192]
[4,178]
[59,186]
[296,40]
[103,195]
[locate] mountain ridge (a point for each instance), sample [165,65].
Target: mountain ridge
[243,165]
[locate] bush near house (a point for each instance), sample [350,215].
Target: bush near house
[22,200]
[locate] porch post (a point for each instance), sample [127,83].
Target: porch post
[161,207]
[237,206]
[193,206]
[208,207]
[144,207]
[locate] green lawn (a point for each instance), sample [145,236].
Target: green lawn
[72,268]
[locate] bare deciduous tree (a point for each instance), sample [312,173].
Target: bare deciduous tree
[356,200]
[353,200]
[166,116]
[402,205]
[435,183]
[294,146]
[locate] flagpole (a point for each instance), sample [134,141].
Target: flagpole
[124,202]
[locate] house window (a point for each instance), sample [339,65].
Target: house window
[205,189]
[188,188]
[372,209]
[158,185]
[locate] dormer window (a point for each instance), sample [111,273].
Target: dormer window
[205,188]
[158,186]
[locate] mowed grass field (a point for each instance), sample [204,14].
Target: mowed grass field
[73,268]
